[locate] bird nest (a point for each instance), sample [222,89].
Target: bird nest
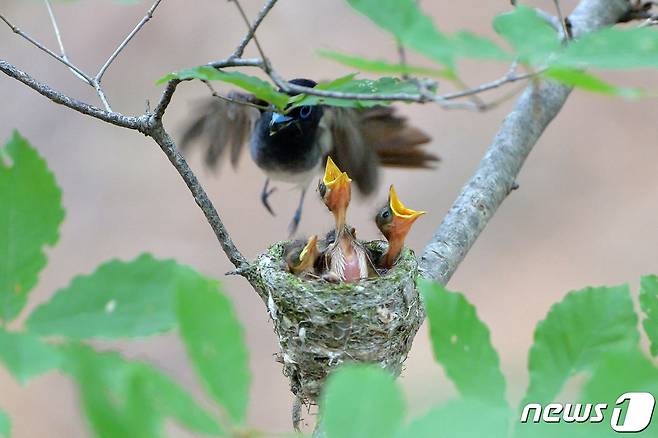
[321,324]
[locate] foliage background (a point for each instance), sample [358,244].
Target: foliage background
[585,213]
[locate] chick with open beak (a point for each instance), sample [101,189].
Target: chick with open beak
[394,220]
[345,259]
[301,255]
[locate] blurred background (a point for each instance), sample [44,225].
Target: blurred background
[585,213]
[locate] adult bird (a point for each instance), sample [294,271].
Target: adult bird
[394,220]
[293,147]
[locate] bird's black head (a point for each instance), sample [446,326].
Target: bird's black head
[297,121]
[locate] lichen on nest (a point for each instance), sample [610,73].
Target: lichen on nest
[321,325]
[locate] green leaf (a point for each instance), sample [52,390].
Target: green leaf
[25,356]
[120,299]
[5,425]
[347,84]
[30,216]
[258,87]
[589,82]
[379,66]
[460,419]
[462,344]
[123,398]
[613,48]
[649,305]
[617,374]
[214,340]
[575,334]
[414,29]
[361,401]
[533,38]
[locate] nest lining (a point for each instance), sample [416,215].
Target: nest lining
[321,325]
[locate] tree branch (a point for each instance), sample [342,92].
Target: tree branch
[237,53]
[494,178]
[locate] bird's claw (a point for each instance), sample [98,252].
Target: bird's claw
[294,223]
[265,194]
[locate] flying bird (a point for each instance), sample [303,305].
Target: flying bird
[293,146]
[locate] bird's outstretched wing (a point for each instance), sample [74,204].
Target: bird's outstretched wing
[221,125]
[360,140]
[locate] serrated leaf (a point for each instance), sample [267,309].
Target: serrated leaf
[589,82]
[534,39]
[613,48]
[30,216]
[5,425]
[462,344]
[382,86]
[460,419]
[576,333]
[215,345]
[123,398]
[649,305]
[120,299]
[258,87]
[26,356]
[380,66]
[405,20]
[361,401]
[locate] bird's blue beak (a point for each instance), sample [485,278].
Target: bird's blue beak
[279,121]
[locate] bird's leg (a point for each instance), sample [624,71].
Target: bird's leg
[265,194]
[297,217]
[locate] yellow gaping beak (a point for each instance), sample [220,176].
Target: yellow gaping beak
[399,210]
[309,249]
[333,176]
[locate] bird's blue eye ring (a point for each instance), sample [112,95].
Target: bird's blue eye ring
[305,111]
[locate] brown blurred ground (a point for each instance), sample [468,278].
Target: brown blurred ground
[585,213]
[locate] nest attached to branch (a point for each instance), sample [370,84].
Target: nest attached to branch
[321,325]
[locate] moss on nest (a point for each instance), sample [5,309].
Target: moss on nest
[321,325]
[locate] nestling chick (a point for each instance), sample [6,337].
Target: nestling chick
[394,220]
[345,259]
[301,256]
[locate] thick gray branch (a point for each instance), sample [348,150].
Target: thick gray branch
[494,178]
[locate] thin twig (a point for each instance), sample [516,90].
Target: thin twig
[231,100]
[563,22]
[58,35]
[251,33]
[125,42]
[40,46]
[237,53]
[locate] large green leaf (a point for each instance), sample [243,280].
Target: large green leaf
[575,334]
[120,299]
[531,36]
[361,401]
[462,344]
[347,84]
[214,340]
[123,398]
[25,356]
[613,48]
[649,304]
[30,214]
[460,419]
[379,66]
[414,29]
[258,87]
[589,82]
[5,425]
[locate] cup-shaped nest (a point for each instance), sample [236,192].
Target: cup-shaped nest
[321,324]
